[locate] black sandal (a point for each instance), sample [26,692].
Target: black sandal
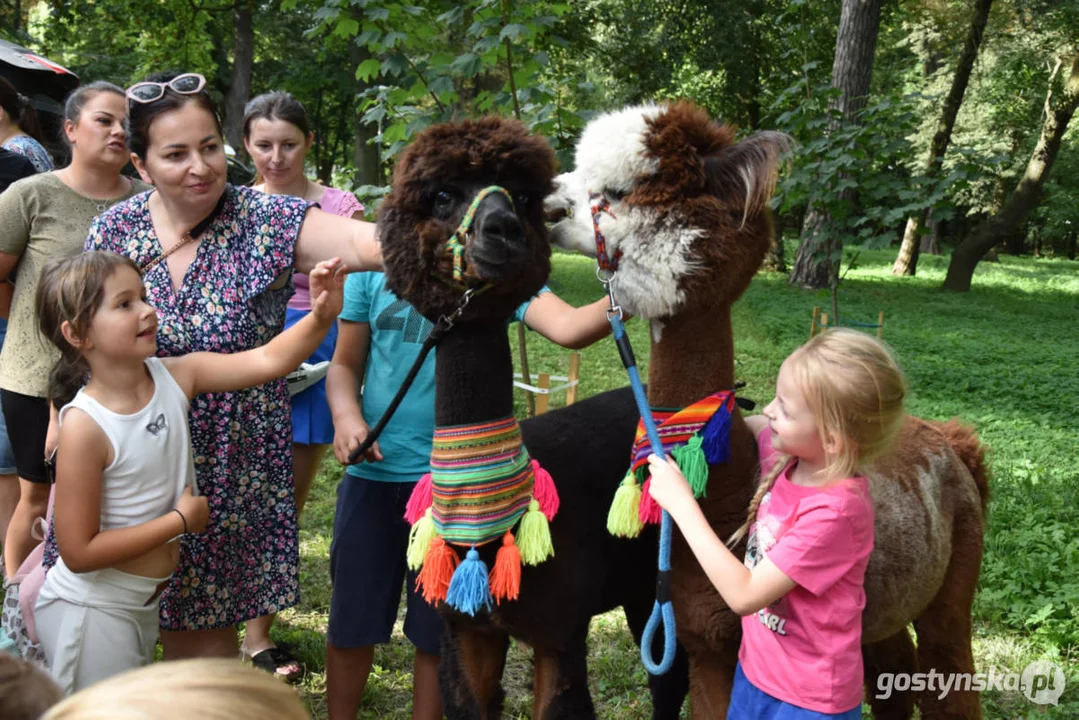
[272,660]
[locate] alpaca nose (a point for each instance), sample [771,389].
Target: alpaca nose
[503,235]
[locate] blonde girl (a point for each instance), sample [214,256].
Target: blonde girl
[838,405]
[125,490]
[204,689]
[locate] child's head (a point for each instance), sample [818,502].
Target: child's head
[839,401]
[204,689]
[70,293]
[841,392]
[25,691]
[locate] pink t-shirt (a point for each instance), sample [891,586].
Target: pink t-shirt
[805,649]
[338,202]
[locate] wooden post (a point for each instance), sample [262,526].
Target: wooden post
[823,321]
[542,398]
[574,375]
[526,377]
[813,323]
[880,326]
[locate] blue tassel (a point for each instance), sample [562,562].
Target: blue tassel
[716,434]
[469,590]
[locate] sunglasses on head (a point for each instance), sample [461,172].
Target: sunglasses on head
[148,92]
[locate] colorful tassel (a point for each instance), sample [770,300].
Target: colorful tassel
[469,590]
[692,463]
[716,434]
[422,498]
[419,540]
[506,574]
[534,536]
[650,511]
[434,580]
[623,519]
[544,491]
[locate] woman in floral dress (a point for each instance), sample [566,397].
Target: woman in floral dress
[218,264]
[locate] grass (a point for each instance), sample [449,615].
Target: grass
[1002,357]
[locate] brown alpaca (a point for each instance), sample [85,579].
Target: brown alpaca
[690,224]
[505,262]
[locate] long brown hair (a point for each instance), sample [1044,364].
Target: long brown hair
[18,107]
[71,290]
[855,390]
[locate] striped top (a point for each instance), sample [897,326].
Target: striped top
[481,480]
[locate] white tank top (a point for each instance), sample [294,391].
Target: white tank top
[152,461]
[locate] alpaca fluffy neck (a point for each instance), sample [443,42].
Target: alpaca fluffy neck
[694,358]
[473,374]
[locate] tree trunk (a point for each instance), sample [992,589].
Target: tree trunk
[851,73]
[774,261]
[1060,104]
[366,156]
[243,53]
[907,262]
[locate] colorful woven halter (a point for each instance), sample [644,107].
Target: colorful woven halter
[455,246]
[696,437]
[599,205]
[482,483]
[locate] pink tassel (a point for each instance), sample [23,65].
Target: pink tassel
[421,499]
[544,491]
[650,511]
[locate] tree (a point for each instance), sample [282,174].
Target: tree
[1060,103]
[907,262]
[852,70]
[243,57]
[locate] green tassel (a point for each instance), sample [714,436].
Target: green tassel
[419,540]
[534,536]
[623,519]
[693,464]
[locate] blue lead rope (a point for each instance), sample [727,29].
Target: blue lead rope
[663,609]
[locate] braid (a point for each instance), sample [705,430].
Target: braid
[766,484]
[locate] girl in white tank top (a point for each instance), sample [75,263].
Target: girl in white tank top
[125,489]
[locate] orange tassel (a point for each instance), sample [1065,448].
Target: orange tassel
[506,575]
[438,566]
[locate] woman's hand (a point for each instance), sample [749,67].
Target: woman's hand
[669,487]
[327,283]
[348,435]
[195,509]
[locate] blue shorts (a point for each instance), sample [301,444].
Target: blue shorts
[311,420]
[7,455]
[750,703]
[367,567]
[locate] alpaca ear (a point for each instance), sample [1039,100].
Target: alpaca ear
[747,170]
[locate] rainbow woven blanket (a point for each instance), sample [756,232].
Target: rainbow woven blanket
[482,484]
[481,480]
[696,436]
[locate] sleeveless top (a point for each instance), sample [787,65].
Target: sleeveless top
[152,461]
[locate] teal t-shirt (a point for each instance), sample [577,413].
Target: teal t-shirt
[397,334]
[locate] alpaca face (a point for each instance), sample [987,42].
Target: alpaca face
[687,206]
[505,251]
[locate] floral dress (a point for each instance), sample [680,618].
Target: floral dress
[32,149]
[245,565]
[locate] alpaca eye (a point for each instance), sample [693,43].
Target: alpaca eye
[443,204]
[521,198]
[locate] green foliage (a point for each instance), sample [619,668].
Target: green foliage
[859,174]
[433,61]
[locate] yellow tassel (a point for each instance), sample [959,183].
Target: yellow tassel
[534,536]
[623,519]
[419,540]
